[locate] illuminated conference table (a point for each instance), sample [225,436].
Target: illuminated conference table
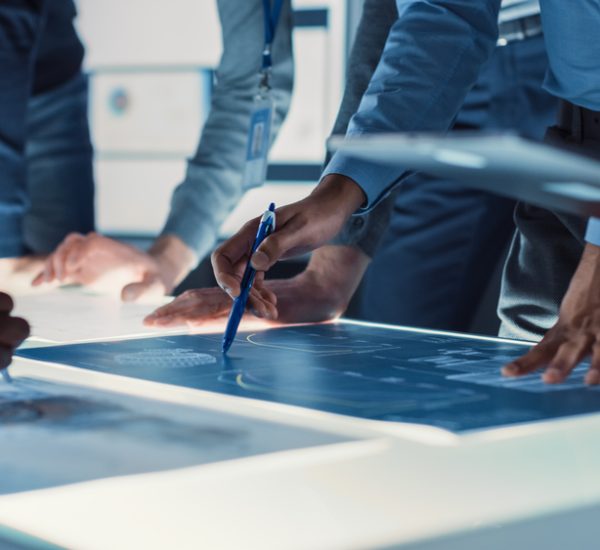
[342,435]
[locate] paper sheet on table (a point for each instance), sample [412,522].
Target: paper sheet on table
[72,315]
[52,434]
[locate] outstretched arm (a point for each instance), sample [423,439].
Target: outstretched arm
[430,61]
[320,293]
[213,182]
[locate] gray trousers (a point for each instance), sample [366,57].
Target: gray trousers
[544,255]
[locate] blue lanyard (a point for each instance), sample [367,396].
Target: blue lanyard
[271,20]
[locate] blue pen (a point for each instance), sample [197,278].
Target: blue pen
[7,377]
[265,228]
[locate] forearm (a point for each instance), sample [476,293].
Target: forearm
[175,259]
[213,183]
[430,61]
[341,267]
[323,290]
[365,232]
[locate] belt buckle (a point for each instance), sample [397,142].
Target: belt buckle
[520,29]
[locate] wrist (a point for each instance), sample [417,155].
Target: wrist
[174,259]
[584,288]
[337,270]
[344,191]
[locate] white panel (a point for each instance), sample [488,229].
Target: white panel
[256,201]
[150,32]
[308,123]
[320,58]
[148,112]
[133,197]
[164,114]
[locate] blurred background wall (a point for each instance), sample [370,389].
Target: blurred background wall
[151,66]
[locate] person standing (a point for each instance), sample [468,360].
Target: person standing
[444,239]
[420,85]
[214,181]
[46,176]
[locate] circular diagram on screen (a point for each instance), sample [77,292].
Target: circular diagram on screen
[177,358]
[351,389]
[332,341]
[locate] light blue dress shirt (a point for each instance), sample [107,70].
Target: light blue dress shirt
[432,58]
[213,183]
[515,9]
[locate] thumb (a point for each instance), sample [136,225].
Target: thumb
[292,238]
[149,286]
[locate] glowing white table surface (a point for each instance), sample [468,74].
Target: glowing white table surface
[388,486]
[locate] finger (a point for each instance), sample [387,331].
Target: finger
[46,275]
[566,359]
[257,307]
[5,357]
[75,257]
[192,305]
[227,258]
[233,280]
[593,375]
[6,303]
[38,279]
[62,253]
[13,330]
[293,236]
[58,259]
[189,315]
[268,295]
[166,310]
[197,298]
[261,307]
[539,356]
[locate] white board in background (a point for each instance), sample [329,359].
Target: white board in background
[145,111]
[504,164]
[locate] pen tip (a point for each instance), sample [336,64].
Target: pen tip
[272,207]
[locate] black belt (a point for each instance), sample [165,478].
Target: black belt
[577,130]
[580,124]
[519,29]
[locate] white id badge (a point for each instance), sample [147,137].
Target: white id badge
[259,137]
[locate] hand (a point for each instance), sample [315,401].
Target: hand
[198,306]
[576,335]
[300,228]
[16,273]
[97,260]
[13,330]
[320,293]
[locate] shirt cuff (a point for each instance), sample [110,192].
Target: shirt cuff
[592,235]
[375,179]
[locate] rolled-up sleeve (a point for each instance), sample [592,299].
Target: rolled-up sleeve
[431,59]
[213,183]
